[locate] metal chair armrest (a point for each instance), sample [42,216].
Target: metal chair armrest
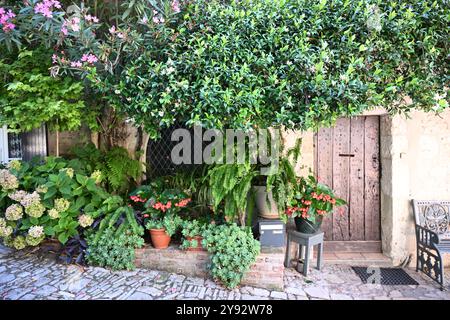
[427,237]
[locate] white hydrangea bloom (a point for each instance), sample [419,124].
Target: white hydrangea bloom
[85,220]
[14,212]
[36,231]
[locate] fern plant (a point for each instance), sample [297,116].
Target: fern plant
[281,181]
[119,171]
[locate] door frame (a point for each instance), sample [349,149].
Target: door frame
[368,246]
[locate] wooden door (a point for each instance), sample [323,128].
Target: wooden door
[347,159]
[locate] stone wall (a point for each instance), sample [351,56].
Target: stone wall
[67,139]
[267,272]
[415,155]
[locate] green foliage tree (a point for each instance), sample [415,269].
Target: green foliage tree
[297,63]
[31,97]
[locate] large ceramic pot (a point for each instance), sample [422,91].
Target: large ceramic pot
[305,226]
[199,243]
[265,204]
[160,238]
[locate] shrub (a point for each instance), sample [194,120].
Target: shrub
[119,171]
[298,63]
[113,249]
[233,251]
[46,198]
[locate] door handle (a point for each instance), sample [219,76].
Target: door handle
[346,155]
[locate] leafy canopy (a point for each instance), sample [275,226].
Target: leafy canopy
[30,96]
[298,63]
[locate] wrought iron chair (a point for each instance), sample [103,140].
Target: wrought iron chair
[433,237]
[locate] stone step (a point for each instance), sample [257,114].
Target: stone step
[358,259]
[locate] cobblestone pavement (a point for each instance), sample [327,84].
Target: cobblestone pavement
[33,276]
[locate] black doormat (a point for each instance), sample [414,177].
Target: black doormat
[385,276]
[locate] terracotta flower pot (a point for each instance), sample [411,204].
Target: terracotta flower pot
[199,243]
[160,238]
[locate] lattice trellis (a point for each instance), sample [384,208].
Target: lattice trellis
[159,154]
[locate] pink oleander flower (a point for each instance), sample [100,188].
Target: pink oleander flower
[5,17]
[54,58]
[64,28]
[75,24]
[176,6]
[46,7]
[76,64]
[112,30]
[144,20]
[90,18]
[89,58]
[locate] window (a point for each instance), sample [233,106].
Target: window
[10,145]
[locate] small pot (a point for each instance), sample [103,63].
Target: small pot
[263,200]
[305,226]
[160,238]
[199,243]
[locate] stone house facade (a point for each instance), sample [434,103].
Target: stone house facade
[400,159]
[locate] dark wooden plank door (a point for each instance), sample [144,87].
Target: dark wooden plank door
[347,159]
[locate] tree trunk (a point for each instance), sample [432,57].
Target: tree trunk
[115,131]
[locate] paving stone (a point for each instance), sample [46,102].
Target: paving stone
[6,278]
[150,290]
[27,277]
[140,296]
[15,294]
[317,292]
[338,296]
[295,290]
[261,292]
[278,295]
[45,291]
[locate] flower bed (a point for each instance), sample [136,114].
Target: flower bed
[267,272]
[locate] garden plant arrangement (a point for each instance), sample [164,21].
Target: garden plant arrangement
[124,71]
[310,203]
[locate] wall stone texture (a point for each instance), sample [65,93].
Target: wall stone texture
[415,155]
[267,272]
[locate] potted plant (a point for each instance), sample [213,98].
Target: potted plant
[193,232]
[311,202]
[162,229]
[162,215]
[273,191]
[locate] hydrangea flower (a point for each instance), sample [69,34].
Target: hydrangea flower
[36,231]
[14,212]
[5,230]
[14,164]
[30,199]
[53,213]
[62,204]
[17,195]
[8,181]
[35,210]
[33,241]
[97,176]
[42,189]
[19,243]
[69,171]
[85,220]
